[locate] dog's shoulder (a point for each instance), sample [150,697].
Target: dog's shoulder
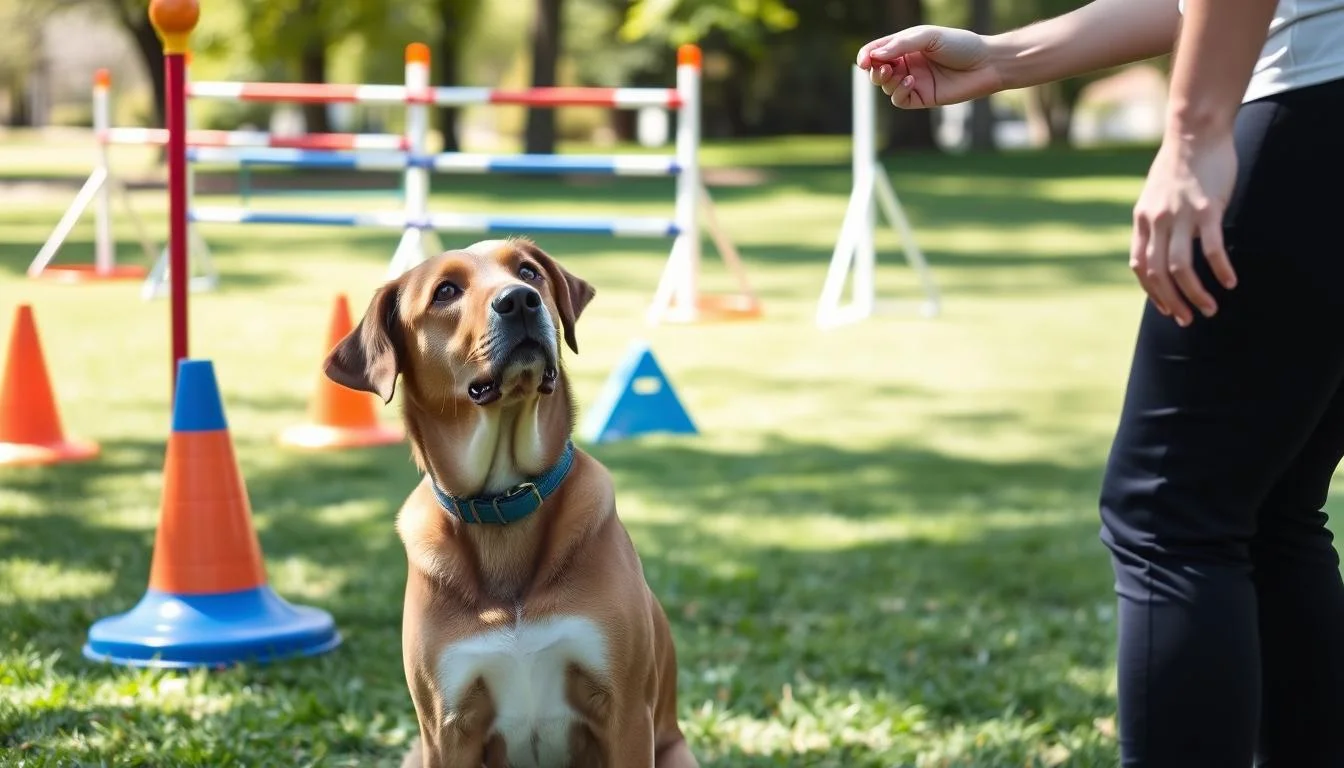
[423,530]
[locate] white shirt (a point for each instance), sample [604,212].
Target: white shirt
[1305,46]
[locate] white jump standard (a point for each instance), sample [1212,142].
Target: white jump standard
[854,249]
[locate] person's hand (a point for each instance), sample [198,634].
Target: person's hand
[929,66]
[1184,198]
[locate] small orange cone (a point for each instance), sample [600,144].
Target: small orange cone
[30,424]
[340,417]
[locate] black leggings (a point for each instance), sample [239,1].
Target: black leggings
[1231,606]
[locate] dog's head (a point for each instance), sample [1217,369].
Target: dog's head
[482,324]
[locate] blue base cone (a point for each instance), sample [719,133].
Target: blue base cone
[181,631]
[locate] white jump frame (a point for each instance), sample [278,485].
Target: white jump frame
[855,252]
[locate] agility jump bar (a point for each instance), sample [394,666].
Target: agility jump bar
[259,139]
[448,162]
[448,222]
[450,96]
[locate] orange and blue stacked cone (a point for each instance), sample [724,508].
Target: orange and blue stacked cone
[208,603]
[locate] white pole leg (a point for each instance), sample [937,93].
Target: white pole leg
[891,207]
[91,187]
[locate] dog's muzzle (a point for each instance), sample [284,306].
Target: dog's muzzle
[523,331]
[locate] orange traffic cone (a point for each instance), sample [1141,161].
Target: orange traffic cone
[208,603]
[30,425]
[340,417]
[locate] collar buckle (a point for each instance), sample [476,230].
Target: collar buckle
[513,503]
[526,487]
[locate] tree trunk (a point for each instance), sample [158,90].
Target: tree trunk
[19,114]
[313,69]
[909,130]
[982,113]
[453,21]
[151,53]
[1050,115]
[539,136]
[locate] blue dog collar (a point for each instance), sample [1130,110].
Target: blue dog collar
[523,500]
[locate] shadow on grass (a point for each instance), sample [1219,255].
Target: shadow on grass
[974,589]
[791,479]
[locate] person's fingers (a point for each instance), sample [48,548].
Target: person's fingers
[895,72]
[880,74]
[1210,222]
[1180,264]
[1138,261]
[904,94]
[1155,258]
[864,57]
[915,39]
[900,68]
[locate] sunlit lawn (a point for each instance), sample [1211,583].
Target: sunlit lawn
[881,551]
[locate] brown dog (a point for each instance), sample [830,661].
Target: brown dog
[529,636]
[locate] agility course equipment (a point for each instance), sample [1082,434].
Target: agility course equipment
[339,417]
[855,255]
[637,399]
[208,603]
[97,189]
[678,296]
[173,21]
[30,422]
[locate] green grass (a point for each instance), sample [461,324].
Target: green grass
[882,550]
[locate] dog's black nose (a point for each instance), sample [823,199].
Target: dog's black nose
[516,300]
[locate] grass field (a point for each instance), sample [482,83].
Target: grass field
[881,551]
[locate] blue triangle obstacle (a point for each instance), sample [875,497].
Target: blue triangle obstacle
[637,399]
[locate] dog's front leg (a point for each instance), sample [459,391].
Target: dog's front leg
[630,742]
[676,755]
[452,753]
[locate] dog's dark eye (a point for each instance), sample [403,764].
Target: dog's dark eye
[446,291]
[528,272]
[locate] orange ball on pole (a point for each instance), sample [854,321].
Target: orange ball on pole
[174,20]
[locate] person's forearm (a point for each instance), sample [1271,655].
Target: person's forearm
[1101,34]
[1215,56]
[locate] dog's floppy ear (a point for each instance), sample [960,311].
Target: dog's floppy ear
[370,356]
[572,293]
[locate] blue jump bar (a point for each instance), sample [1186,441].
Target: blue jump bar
[612,226]
[449,222]
[616,165]
[447,162]
[300,158]
[244,216]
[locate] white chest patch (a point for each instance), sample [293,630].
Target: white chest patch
[524,667]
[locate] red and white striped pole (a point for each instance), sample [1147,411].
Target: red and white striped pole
[174,21]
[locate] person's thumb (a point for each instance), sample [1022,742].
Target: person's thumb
[922,38]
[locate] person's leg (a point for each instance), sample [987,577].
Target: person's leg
[1214,416]
[1301,605]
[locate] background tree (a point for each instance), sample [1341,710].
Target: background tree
[539,134]
[982,110]
[456,19]
[1050,107]
[22,21]
[133,16]
[299,34]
